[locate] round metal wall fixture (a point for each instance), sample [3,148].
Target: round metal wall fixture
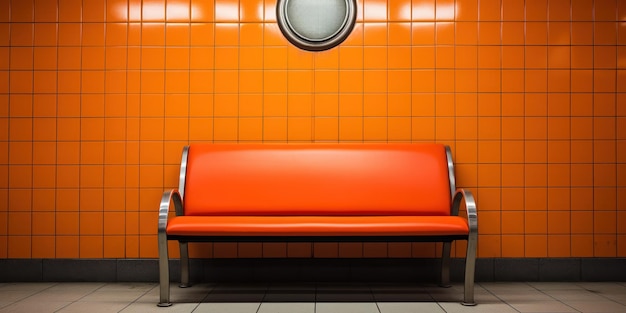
[316,25]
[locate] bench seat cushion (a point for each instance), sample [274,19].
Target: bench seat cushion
[317,226]
[317,179]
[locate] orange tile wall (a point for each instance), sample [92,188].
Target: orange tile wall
[97,98]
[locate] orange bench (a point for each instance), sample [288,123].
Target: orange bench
[316,192]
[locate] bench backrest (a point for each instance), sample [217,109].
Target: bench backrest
[316,179]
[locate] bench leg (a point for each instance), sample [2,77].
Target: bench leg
[445,265]
[184,265]
[470,266]
[164,271]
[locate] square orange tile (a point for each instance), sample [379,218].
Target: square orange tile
[445,10]
[558,81]
[558,128]
[43,247]
[465,57]
[400,34]
[466,152]
[490,33]
[444,33]
[250,129]
[559,175]
[45,34]
[399,57]
[489,175]
[513,246]
[399,129]
[300,81]
[513,33]
[423,33]
[399,81]
[399,10]
[559,57]
[466,10]
[512,175]
[559,199]
[422,129]
[423,80]
[559,151]
[399,104]
[350,128]
[536,33]
[489,151]
[489,11]
[351,81]
[299,129]
[423,10]
[351,105]
[275,58]
[489,57]
[605,11]
[272,35]
[536,10]
[466,33]
[275,129]
[582,33]
[352,58]
[536,246]
[559,33]
[70,10]
[423,57]
[202,11]
[559,10]
[114,246]
[177,11]
[326,129]
[375,104]
[299,59]
[300,105]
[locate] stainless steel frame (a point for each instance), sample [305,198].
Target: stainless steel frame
[472,218]
[459,197]
[445,251]
[169,197]
[472,240]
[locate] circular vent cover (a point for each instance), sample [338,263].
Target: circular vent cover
[316,24]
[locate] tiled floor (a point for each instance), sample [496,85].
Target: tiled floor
[309,298]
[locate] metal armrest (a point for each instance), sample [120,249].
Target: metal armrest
[470,207]
[164,209]
[472,240]
[172,196]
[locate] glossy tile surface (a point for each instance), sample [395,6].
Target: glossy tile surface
[551,297]
[97,99]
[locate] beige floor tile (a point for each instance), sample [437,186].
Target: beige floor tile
[541,307]
[346,307]
[34,306]
[227,307]
[409,307]
[95,307]
[497,307]
[290,307]
[597,306]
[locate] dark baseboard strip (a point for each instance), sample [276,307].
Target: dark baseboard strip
[312,270]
